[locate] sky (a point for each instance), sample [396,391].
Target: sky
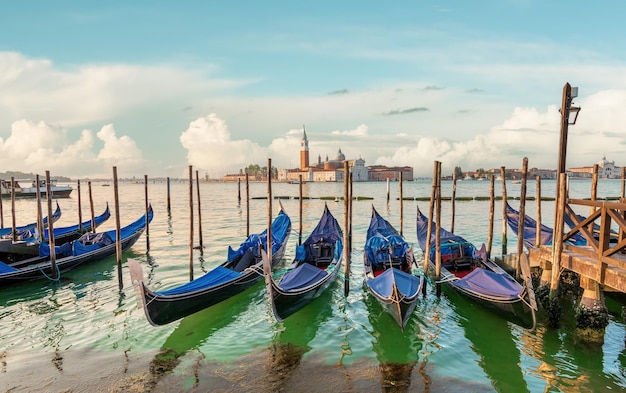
[153,87]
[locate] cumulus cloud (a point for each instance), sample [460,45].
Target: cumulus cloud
[210,147]
[359,131]
[38,147]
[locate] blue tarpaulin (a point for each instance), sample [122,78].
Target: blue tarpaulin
[489,283]
[212,278]
[407,284]
[301,277]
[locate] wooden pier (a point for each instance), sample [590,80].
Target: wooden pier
[603,259]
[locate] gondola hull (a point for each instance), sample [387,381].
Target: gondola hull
[396,299]
[161,310]
[286,303]
[243,269]
[478,278]
[29,247]
[41,267]
[388,261]
[316,266]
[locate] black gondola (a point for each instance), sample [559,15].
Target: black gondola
[315,267]
[242,269]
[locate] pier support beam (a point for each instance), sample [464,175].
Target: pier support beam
[547,298]
[592,316]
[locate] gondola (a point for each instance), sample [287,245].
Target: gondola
[8,232]
[470,273]
[242,269]
[88,248]
[27,240]
[388,268]
[315,267]
[530,230]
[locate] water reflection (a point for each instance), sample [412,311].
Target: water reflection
[195,329]
[397,352]
[493,342]
[292,340]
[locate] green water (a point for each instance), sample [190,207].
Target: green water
[85,334]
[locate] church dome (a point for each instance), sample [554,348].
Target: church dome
[340,156]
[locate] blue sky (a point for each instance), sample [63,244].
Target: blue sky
[154,86]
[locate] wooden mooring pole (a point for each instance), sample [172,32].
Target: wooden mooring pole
[504,202]
[53,262]
[438,231]
[401,205]
[522,215]
[346,252]
[269,210]
[190,223]
[200,212]
[538,211]
[80,210]
[93,218]
[491,214]
[169,204]
[300,209]
[431,207]
[118,235]
[146,203]
[40,226]
[247,206]
[453,199]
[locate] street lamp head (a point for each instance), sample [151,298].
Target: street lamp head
[573,110]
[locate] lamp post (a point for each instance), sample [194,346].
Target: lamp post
[569,93]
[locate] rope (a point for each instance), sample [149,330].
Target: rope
[48,277]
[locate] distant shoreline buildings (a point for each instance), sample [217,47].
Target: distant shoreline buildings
[332,170]
[606,170]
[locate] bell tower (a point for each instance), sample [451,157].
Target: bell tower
[304,151]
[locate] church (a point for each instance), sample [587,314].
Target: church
[323,171]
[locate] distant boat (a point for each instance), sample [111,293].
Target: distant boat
[31,191]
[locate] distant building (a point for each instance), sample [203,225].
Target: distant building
[381,172]
[323,171]
[606,170]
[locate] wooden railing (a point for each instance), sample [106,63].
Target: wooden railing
[606,246]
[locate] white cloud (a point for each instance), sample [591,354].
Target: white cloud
[209,147]
[359,131]
[37,147]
